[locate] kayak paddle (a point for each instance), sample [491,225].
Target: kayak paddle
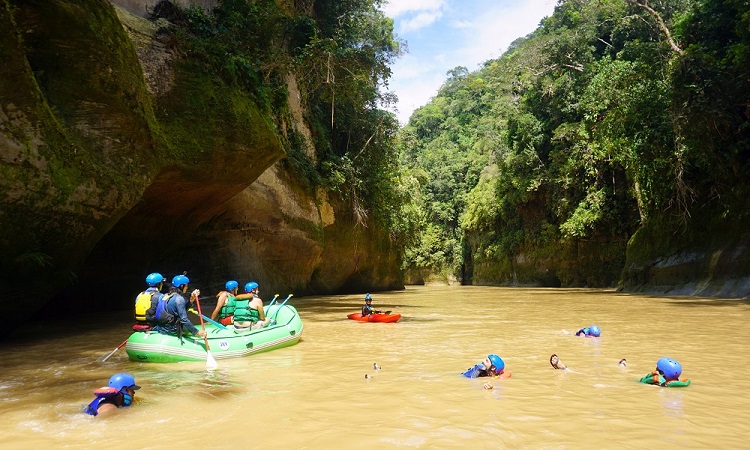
[104,358]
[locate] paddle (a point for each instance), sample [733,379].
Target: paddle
[210,361]
[104,358]
[273,320]
[208,319]
[273,301]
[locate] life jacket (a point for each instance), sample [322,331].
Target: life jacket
[366,310]
[101,394]
[228,308]
[243,312]
[480,371]
[654,378]
[142,304]
[477,371]
[160,314]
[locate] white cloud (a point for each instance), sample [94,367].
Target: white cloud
[416,92]
[460,24]
[421,20]
[396,8]
[494,31]
[469,34]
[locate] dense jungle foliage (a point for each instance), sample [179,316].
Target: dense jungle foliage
[614,116]
[340,52]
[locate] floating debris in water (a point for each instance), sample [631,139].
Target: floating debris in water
[623,362]
[375,366]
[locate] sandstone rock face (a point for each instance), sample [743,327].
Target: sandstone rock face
[289,241]
[711,260]
[119,159]
[695,272]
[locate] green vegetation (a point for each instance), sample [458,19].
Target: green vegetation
[540,167]
[340,56]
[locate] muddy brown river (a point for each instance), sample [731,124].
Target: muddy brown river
[325,393]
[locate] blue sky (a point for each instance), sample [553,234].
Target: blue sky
[443,34]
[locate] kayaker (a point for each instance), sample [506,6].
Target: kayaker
[175,305]
[146,300]
[367,308]
[492,366]
[592,331]
[248,310]
[119,393]
[667,371]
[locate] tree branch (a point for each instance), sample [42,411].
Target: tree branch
[660,22]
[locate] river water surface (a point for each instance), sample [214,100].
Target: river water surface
[316,395]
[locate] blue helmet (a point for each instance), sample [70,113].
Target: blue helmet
[670,368]
[123,380]
[497,362]
[594,331]
[231,284]
[179,280]
[154,279]
[250,286]
[368,297]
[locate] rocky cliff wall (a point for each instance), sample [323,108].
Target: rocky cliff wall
[709,256]
[78,139]
[120,158]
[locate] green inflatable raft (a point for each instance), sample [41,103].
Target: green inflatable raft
[224,343]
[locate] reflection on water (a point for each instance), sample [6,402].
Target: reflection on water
[325,391]
[672,402]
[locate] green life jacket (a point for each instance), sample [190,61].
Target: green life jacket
[228,308]
[654,378]
[243,312]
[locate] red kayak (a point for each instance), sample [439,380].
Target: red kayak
[385,318]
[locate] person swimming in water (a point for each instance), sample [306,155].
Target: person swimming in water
[556,363]
[592,331]
[492,366]
[118,394]
[667,371]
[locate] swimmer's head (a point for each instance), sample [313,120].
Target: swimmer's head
[594,331]
[497,362]
[670,368]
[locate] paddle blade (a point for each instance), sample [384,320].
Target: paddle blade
[210,361]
